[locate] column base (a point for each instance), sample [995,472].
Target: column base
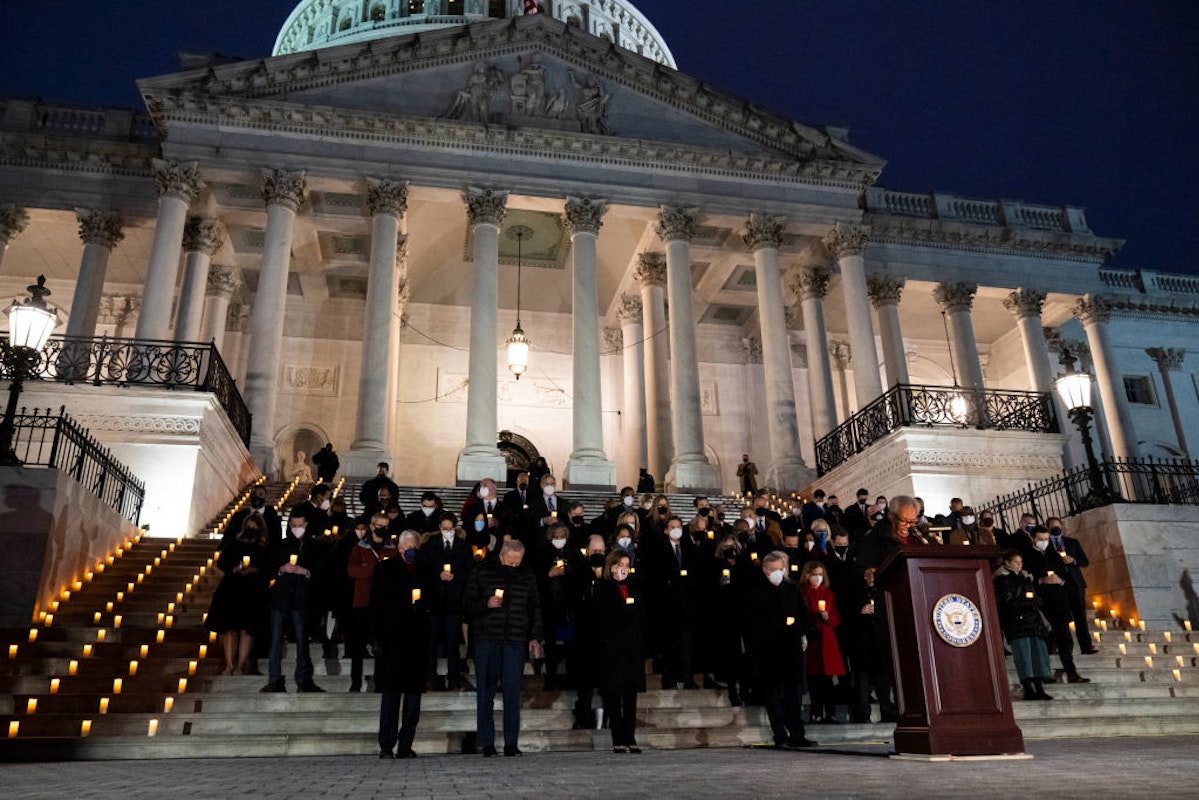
[363,462]
[475,467]
[693,476]
[789,477]
[590,473]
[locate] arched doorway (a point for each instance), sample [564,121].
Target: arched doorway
[518,453]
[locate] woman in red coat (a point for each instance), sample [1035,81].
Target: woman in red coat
[823,659]
[375,545]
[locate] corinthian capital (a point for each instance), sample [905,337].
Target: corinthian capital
[1168,359]
[809,282]
[629,310]
[1025,303]
[283,188]
[955,296]
[651,269]
[677,223]
[762,230]
[751,348]
[202,235]
[847,240]
[584,214]
[884,291]
[1092,309]
[613,340]
[13,220]
[182,181]
[99,227]
[223,281]
[840,354]
[485,206]
[385,196]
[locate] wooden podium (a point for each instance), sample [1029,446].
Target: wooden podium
[951,681]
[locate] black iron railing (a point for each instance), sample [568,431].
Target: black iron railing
[47,439]
[1142,480]
[906,405]
[144,362]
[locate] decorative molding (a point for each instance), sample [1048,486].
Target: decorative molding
[311,381]
[117,309]
[223,281]
[751,348]
[676,223]
[1092,309]
[984,460]
[178,180]
[141,423]
[847,240]
[284,188]
[762,230]
[13,220]
[100,227]
[628,311]
[485,206]
[385,196]
[1168,359]
[955,296]
[613,341]
[1025,303]
[709,399]
[203,236]
[651,269]
[841,355]
[237,317]
[884,291]
[810,282]
[991,239]
[585,214]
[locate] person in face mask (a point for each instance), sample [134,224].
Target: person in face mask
[1049,572]
[485,501]
[1028,526]
[815,509]
[674,569]
[823,660]
[619,613]
[239,608]
[316,508]
[557,568]
[989,530]
[445,561]
[774,626]
[579,530]
[377,545]
[1075,559]
[624,539]
[290,599]
[548,506]
[368,496]
[259,507]
[425,519]
[968,530]
[729,576]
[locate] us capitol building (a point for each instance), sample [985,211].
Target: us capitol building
[356,220]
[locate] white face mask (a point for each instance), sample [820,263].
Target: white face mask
[623,542]
[809,544]
[628,501]
[968,519]
[1041,545]
[448,535]
[676,534]
[325,504]
[815,580]
[298,532]
[795,511]
[620,573]
[647,506]
[558,543]
[776,577]
[548,491]
[427,511]
[484,492]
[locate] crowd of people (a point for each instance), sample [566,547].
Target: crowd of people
[748,601]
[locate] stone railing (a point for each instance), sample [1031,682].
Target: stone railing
[1146,281]
[106,123]
[1004,213]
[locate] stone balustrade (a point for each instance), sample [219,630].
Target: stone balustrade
[105,123]
[1003,213]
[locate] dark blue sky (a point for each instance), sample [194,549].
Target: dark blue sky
[1094,104]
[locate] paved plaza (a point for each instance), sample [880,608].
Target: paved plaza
[1159,767]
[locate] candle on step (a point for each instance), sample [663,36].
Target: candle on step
[159,635]
[203,651]
[1149,661]
[1153,648]
[143,651]
[54,684]
[1186,625]
[12,651]
[167,704]
[100,634]
[153,729]
[133,667]
[13,727]
[87,651]
[1177,674]
[116,622]
[116,685]
[73,666]
[1123,649]
[1141,625]
[1168,636]
[103,705]
[33,634]
[85,727]
[182,685]
[191,667]
[31,705]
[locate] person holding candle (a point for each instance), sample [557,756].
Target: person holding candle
[823,659]
[1044,563]
[446,561]
[555,566]
[427,518]
[376,546]
[239,607]
[259,507]
[546,508]
[399,624]
[289,599]
[1023,624]
[1075,560]
[618,620]
[727,575]
[583,658]
[369,496]
[672,568]
[502,599]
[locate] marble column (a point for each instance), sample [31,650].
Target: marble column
[283,192]
[847,243]
[690,470]
[100,232]
[1026,304]
[177,185]
[201,239]
[841,356]
[588,466]
[956,300]
[222,283]
[13,220]
[1169,360]
[651,275]
[388,202]
[764,236]
[884,294]
[485,209]
[810,285]
[1094,311]
[633,439]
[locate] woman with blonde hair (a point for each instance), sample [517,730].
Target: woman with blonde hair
[823,659]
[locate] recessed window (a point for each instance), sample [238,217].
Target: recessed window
[1138,389]
[378,13]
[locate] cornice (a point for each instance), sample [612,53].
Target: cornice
[988,239]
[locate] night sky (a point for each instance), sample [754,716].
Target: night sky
[1093,104]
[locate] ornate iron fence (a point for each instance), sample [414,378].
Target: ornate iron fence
[46,439]
[907,405]
[1143,480]
[144,362]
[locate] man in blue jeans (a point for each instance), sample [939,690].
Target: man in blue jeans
[501,596]
[295,559]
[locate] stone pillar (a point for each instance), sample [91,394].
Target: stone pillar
[388,202]
[1093,312]
[651,275]
[13,220]
[810,285]
[884,295]
[1169,360]
[846,243]
[633,441]
[201,239]
[588,466]
[222,283]
[956,300]
[283,192]
[480,458]
[841,356]
[763,236]
[1026,304]
[177,185]
[100,232]
[690,470]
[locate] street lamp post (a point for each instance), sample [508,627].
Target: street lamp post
[1074,388]
[29,326]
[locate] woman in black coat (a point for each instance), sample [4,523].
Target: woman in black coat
[1023,624]
[399,623]
[239,610]
[618,632]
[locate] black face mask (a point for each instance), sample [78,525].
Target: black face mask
[522,486]
[703,512]
[729,552]
[257,502]
[596,559]
[663,509]
[759,511]
[743,536]
[576,520]
[986,522]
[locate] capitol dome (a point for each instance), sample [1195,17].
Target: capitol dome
[327,23]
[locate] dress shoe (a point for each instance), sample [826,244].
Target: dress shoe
[1090,651]
[620,750]
[635,750]
[1076,678]
[800,743]
[309,686]
[384,754]
[274,686]
[511,750]
[489,751]
[356,686]
[407,754]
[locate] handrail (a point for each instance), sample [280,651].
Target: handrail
[909,405]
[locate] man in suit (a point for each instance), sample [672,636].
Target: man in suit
[259,507]
[674,571]
[856,519]
[316,508]
[544,510]
[426,518]
[814,510]
[1044,564]
[447,547]
[1075,558]
[369,494]
[486,501]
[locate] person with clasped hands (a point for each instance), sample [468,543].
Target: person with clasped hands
[618,618]
[501,597]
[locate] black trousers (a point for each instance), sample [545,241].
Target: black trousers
[391,730]
[1065,645]
[782,703]
[1077,597]
[824,701]
[445,629]
[621,710]
[676,658]
[356,642]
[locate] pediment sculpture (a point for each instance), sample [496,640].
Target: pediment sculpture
[532,96]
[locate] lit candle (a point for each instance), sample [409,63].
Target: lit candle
[1178,660]
[88,576]
[170,608]
[711,535]
[116,622]
[628,601]
[560,564]
[1123,649]
[1127,636]
[54,684]
[795,567]
[1141,625]
[499,593]
[1095,636]
[73,666]
[335,527]
[182,685]
[245,561]
[1177,674]
[12,651]
[1168,635]
[130,586]
[790,621]
[159,635]
[1028,595]
[153,729]
[85,727]
[191,667]
[87,651]
[821,605]
[33,634]
[1112,613]
[31,705]
[13,727]
[133,667]
[203,651]
[157,561]
[178,597]
[49,620]
[103,705]
[1071,626]
[144,650]
[1195,646]
[170,620]
[415,595]
[1153,648]
[211,635]
[682,573]
[167,704]
[1103,624]
[445,568]
[1149,661]
[1050,574]
[108,606]
[554,514]
[724,573]
[140,577]
[100,634]
[753,556]
[293,559]
[53,605]
[116,685]
[1186,625]
[95,617]
[327,532]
